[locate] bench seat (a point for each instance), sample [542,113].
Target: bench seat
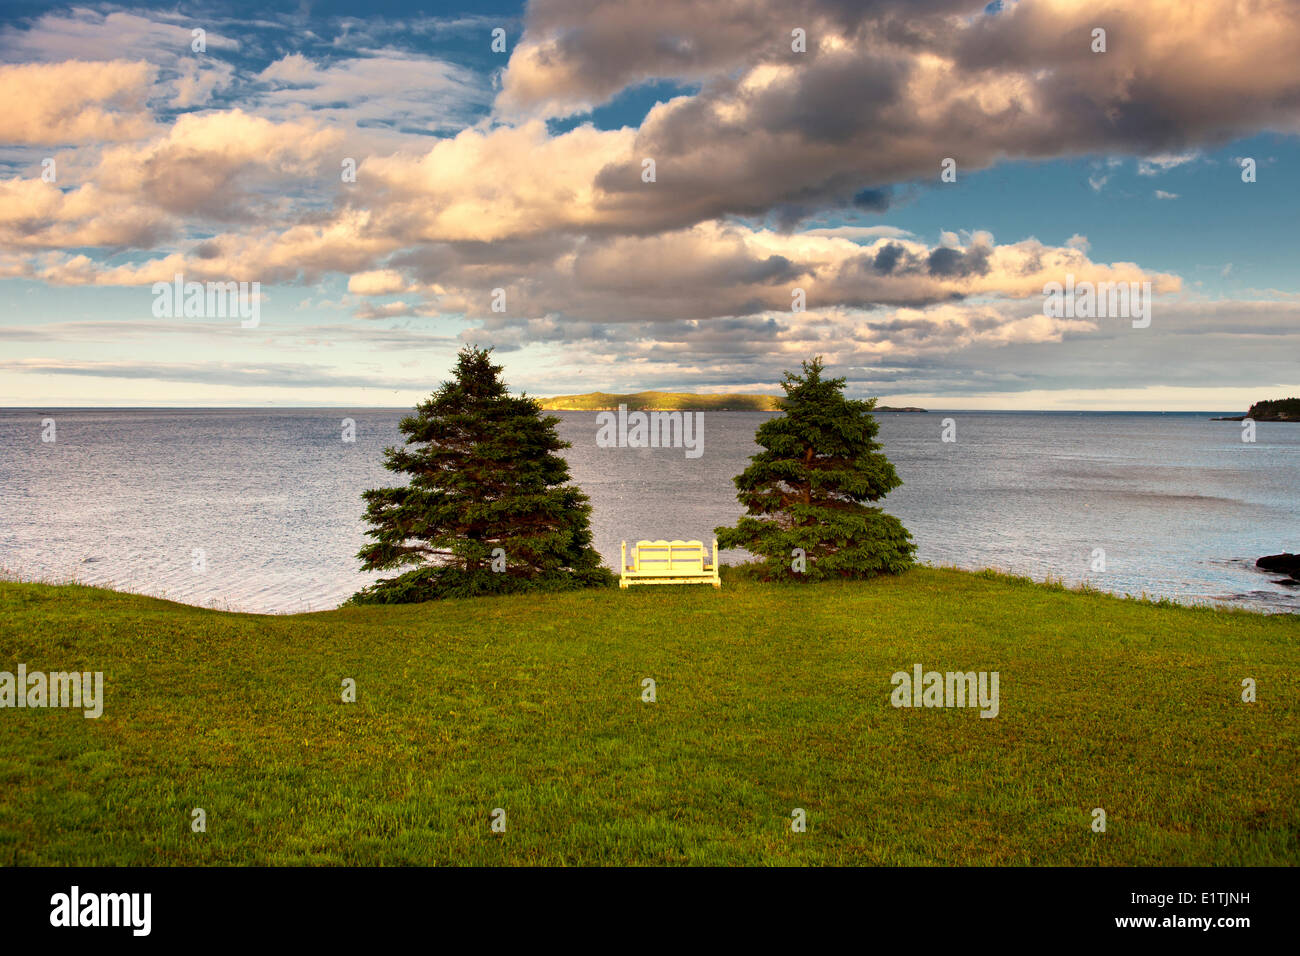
[669,562]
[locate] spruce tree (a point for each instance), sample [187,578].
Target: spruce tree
[810,486]
[487,508]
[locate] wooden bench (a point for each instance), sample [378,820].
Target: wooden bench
[669,562]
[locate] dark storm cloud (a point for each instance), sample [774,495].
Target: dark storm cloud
[954,262]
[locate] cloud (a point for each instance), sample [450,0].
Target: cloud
[576,54]
[85,34]
[506,183]
[180,76]
[858,232]
[885,91]
[948,349]
[38,215]
[387,310]
[263,375]
[1154,165]
[75,102]
[377,282]
[718,270]
[710,271]
[384,89]
[303,252]
[457,194]
[199,80]
[210,166]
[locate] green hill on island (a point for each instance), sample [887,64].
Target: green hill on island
[1278,410]
[673,401]
[660,401]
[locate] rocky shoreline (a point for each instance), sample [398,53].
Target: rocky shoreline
[1285,563]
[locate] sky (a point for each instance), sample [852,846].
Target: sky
[641,194]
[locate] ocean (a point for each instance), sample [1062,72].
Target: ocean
[260,509]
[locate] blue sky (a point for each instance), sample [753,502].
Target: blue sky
[522,171]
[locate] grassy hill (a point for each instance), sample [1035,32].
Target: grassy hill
[769,698]
[654,401]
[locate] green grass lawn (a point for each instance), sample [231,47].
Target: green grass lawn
[769,698]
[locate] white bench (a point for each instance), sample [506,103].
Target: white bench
[669,562]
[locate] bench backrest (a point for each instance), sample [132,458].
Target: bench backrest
[669,556]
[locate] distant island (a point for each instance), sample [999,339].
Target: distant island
[660,401]
[673,401]
[1278,410]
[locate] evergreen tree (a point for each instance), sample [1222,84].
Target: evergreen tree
[809,487]
[483,475]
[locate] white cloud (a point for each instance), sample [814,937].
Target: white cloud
[75,102]
[1163,162]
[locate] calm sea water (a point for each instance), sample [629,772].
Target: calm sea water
[260,510]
